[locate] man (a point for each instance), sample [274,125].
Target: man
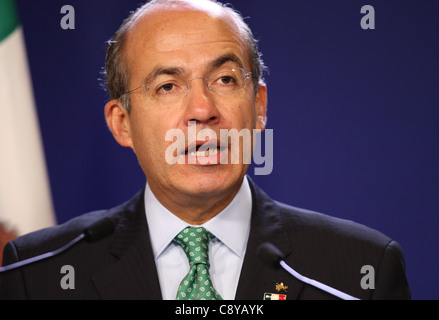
[194,65]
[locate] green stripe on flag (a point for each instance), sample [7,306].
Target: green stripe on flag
[8,18]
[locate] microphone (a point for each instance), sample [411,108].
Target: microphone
[273,257]
[99,230]
[95,232]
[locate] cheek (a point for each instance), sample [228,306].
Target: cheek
[240,115]
[148,132]
[142,130]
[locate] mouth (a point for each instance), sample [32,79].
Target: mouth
[204,152]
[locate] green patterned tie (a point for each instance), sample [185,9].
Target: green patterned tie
[197,284]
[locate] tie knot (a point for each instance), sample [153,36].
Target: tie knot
[195,243]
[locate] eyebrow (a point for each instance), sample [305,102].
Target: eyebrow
[228,57]
[177,71]
[160,70]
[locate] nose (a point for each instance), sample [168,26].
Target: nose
[200,105]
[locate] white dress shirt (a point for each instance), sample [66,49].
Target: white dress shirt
[231,229]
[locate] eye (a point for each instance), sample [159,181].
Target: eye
[166,88]
[226,80]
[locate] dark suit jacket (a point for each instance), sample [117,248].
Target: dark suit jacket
[121,266]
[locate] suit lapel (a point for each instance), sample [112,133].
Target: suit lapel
[266,226]
[131,272]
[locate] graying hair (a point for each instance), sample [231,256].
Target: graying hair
[116,74]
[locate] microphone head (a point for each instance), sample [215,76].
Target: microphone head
[270,254]
[99,230]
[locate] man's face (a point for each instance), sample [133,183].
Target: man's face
[191,42]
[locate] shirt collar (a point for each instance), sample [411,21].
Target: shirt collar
[231,226]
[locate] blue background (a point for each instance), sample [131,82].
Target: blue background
[354,113]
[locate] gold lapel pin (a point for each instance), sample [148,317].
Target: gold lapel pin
[281,286]
[277,296]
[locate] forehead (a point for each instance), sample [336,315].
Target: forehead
[182,33]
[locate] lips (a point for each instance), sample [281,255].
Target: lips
[204,148]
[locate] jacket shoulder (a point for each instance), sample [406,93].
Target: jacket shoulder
[52,238]
[339,252]
[309,224]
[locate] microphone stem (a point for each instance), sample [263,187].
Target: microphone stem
[316,284]
[41,256]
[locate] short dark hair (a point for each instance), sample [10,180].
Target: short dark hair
[116,71]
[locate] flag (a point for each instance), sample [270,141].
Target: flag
[25,198]
[274,296]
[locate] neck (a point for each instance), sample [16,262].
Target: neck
[196,209]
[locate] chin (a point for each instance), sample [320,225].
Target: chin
[210,181]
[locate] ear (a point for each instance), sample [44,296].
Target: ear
[261,107]
[118,122]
